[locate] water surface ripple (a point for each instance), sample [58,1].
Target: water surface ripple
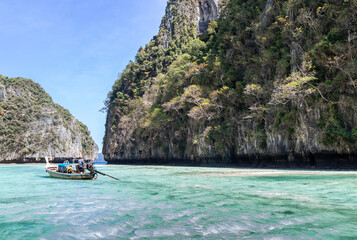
[154,202]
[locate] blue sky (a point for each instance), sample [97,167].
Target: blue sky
[75,48]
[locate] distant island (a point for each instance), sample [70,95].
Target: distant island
[246,83]
[100,159]
[33,127]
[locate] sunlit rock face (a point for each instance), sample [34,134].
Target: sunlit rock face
[199,12]
[208,11]
[2,93]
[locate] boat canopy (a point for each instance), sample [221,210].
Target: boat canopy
[65,164]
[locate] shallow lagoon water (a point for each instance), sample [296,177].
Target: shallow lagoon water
[157,202]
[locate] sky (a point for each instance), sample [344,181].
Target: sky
[75,49]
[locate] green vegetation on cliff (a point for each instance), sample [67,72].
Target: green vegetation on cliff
[267,77]
[33,126]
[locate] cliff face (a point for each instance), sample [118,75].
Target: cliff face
[181,24]
[196,13]
[255,83]
[32,126]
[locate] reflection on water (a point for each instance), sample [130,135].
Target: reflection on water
[178,203]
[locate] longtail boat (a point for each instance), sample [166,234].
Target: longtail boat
[68,170]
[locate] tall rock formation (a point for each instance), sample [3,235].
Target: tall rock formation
[182,23]
[254,83]
[32,126]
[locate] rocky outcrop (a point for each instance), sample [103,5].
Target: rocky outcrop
[33,127]
[267,15]
[180,17]
[196,12]
[208,11]
[2,93]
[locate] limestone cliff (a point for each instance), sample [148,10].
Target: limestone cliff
[32,126]
[254,83]
[197,13]
[183,21]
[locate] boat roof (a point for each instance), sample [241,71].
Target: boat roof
[65,164]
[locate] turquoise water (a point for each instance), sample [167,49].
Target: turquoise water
[178,203]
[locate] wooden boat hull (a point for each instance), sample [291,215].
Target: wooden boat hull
[85,176]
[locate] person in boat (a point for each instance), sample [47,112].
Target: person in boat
[70,169]
[80,166]
[62,168]
[90,166]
